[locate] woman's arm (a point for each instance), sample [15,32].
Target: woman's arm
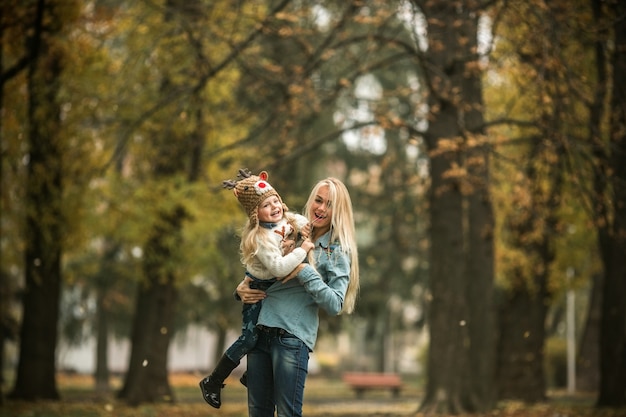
[328,295]
[247,294]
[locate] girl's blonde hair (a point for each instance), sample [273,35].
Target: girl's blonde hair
[341,229]
[248,245]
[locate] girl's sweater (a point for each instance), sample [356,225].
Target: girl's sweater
[269,262]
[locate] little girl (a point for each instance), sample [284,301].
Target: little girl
[268,227]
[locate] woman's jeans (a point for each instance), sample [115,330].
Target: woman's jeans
[277,370]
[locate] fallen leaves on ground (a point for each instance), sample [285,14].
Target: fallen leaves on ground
[324,398]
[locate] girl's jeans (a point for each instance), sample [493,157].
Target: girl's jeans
[277,370]
[250,315]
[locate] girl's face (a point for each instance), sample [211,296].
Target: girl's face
[321,210]
[270,210]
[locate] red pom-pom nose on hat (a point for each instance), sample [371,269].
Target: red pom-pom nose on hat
[262,187]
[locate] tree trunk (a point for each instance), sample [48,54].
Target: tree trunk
[613,321]
[146,379]
[44,228]
[447,355]
[520,374]
[524,306]
[176,153]
[101,375]
[480,258]
[104,279]
[455,383]
[381,335]
[588,360]
[447,313]
[147,376]
[4,285]
[480,247]
[533,224]
[220,344]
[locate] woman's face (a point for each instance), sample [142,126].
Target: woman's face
[321,210]
[270,210]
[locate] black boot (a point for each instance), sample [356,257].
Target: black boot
[212,385]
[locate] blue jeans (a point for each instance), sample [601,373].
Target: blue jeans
[277,370]
[250,315]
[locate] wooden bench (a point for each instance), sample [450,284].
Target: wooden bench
[362,381]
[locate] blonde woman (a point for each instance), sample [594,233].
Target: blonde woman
[288,321]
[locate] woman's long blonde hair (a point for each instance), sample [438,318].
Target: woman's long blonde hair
[342,230]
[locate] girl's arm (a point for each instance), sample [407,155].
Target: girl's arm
[271,256]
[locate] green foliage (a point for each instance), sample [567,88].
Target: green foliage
[522,176]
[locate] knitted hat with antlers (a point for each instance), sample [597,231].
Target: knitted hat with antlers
[251,190]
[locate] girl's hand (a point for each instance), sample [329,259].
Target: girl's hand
[287,246]
[307,245]
[293,273]
[247,294]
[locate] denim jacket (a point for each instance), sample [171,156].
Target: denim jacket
[293,306]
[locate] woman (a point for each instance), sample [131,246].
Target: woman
[288,322]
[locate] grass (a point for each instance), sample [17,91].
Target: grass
[323,397]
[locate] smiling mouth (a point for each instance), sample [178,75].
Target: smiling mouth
[318,217]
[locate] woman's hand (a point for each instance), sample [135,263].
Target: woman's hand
[293,273]
[247,294]
[305,232]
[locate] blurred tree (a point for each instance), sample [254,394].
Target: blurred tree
[173,151]
[45,225]
[390,186]
[10,26]
[588,350]
[611,214]
[74,149]
[460,371]
[532,225]
[556,147]
[107,272]
[97,299]
[391,158]
[587,363]
[210,300]
[186,109]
